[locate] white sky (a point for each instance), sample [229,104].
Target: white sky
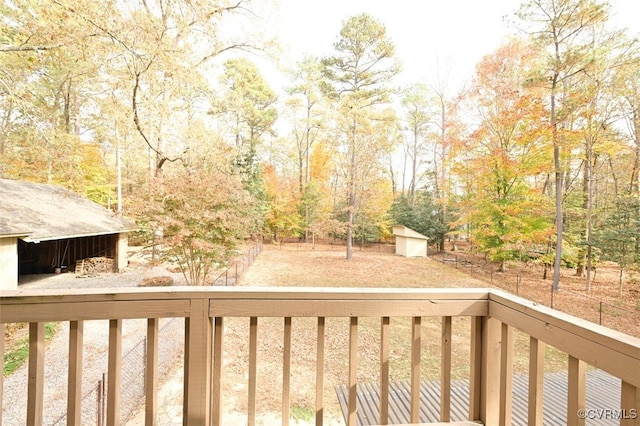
[455,32]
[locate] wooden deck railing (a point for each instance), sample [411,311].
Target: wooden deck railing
[493,317]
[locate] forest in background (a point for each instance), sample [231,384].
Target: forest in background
[159,110]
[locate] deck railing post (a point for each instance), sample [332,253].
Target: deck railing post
[216,396]
[197,364]
[630,405]
[475,381]
[490,374]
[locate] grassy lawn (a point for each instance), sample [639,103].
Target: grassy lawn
[17,351]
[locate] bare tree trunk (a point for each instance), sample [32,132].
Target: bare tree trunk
[634,184]
[559,185]
[589,202]
[352,191]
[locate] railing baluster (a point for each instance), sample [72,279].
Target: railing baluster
[416,348]
[74,382]
[506,374]
[384,371]
[353,370]
[253,355]
[114,375]
[286,371]
[475,379]
[576,391]
[630,404]
[320,373]
[36,373]
[216,410]
[536,380]
[445,371]
[151,372]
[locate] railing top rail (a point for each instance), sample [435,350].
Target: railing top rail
[265,293]
[604,348]
[579,326]
[86,304]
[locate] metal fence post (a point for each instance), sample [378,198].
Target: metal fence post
[600,313]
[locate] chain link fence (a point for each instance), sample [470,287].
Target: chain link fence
[133,371]
[232,274]
[615,314]
[333,244]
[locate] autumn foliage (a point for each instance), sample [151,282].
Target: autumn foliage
[200,220]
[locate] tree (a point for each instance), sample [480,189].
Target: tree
[46,76]
[619,237]
[446,129]
[421,214]
[107,74]
[358,75]
[505,153]
[305,104]
[627,86]
[417,106]
[595,118]
[203,216]
[248,104]
[559,28]
[281,218]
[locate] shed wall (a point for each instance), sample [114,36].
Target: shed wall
[401,246]
[122,242]
[416,247]
[9,263]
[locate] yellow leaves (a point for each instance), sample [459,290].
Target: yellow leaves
[282,216]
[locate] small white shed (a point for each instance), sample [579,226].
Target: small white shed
[410,243]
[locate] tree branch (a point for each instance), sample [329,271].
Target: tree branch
[7,49]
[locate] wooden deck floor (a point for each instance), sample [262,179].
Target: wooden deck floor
[603,392]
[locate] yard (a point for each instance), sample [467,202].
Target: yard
[298,265]
[293,265]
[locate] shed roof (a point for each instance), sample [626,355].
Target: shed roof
[403,231]
[41,212]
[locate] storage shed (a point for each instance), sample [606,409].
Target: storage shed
[410,243]
[47,229]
